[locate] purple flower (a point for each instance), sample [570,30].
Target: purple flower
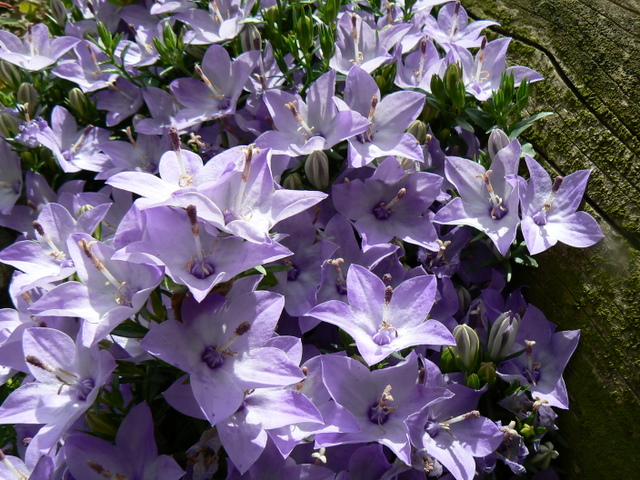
[121,100]
[74,149]
[380,401]
[36,51]
[112,290]
[389,116]
[318,124]
[391,203]
[86,71]
[217,94]
[383,320]
[546,355]
[66,381]
[453,27]
[487,200]
[222,22]
[134,455]
[359,44]
[221,344]
[549,210]
[483,74]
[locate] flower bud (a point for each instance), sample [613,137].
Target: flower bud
[250,38]
[58,12]
[293,182]
[487,371]
[80,104]
[502,335]
[28,96]
[419,130]
[447,361]
[467,345]
[9,127]
[10,75]
[473,381]
[497,141]
[316,168]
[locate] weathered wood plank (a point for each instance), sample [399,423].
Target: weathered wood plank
[589,53]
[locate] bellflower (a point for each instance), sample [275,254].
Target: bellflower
[193,256]
[453,432]
[66,381]
[487,200]
[483,74]
[36,51]
[453,27]
[47,259]
[380,401]
[222,22]
[546,355]
[359,44]
[389,116]
[86,70]
[221,344]
[383,320]
[74,149]
[318,124]
[164,109]
[222,83]
[391,203]
[417,69]
[111,292]
[121,100]
[134,455]
[549,210]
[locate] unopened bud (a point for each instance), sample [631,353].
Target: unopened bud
[10,75]
[447,362]
[316,168]
[487,371]
[250,38]
[293,182]
[497,141]
[419,130]
[80,104]
[473,381]
[29,97]
[58,12]
[502,335]
[467,346]
[9,127]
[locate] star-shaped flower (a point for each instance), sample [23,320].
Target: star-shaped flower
[383,320]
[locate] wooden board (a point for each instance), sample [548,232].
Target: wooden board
[589,54]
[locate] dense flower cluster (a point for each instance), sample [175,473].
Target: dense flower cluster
[270,239]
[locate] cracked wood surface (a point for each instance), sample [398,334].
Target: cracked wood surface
[589,54]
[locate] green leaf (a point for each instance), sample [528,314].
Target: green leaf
[520,127]
[130,329]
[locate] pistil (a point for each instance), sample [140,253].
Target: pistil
[383,210]
[540,217]
[185,179]
[341,281]
[497,210]
[56,253]
[380,412]
[305,129]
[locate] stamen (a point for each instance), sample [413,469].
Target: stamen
[56,253]
[86,248]
[306,130]
[341,281]
[64,377]
[18,474]
[320,456]
[185,179]
[242,329]
[423,52]
[383,210]
[532,372]
[479,61]
[216,92]
[540,217]
[380,412]
[446,425]
[497,210]
[388,293]
[359,56]
[76,146]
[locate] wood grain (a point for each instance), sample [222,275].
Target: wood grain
[589,54]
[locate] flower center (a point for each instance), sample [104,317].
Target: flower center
[383,210]
[379,412]
[497,210]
